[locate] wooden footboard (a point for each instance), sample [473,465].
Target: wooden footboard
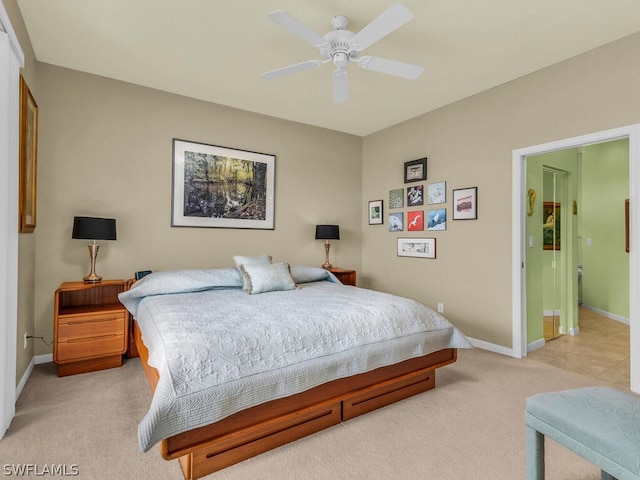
[261,428]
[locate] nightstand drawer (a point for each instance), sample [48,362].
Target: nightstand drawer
[73,327]
[90,326]
[92,346]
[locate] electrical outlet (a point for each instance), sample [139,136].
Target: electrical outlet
[25,339]
[440,308]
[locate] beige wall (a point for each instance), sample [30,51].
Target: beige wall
[106,150]
[26,241]
[470,143]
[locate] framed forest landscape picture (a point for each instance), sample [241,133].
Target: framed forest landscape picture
[223,187]
[28,159]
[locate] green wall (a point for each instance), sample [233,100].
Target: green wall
[605,186]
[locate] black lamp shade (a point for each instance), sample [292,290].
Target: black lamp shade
[327,232]
[93,228]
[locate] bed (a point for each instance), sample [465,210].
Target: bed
[242,360]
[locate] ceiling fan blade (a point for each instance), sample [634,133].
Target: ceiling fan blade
[391,19]
[391,67]
[298,67]
[340,85]
[295,26]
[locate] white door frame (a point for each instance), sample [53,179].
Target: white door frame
[632,132]
[11,59]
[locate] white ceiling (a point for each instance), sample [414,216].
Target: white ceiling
[215,50]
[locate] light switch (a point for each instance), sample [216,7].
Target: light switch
[531,241]
[588,242]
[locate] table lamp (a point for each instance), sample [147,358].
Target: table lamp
[93,228]
[327,233]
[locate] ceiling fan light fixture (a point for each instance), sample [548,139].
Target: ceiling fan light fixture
[340,59]
[340,45]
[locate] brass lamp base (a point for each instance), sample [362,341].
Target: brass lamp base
[93,277]
[326,265]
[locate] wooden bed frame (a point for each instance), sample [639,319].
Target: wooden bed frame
[261,428]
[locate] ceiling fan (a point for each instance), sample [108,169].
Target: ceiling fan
[341,47]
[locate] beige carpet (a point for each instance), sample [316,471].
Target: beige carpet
[470,427]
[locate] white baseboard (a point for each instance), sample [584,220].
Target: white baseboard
[612,316]
[47,358]
[25,377]
[492,347]
[535,345]
[37,360]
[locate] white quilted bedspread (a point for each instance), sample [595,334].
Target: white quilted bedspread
[221,350]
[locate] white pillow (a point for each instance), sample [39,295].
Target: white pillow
[242,260]
[268,278]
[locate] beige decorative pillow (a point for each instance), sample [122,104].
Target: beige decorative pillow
[268,278]
[242,260]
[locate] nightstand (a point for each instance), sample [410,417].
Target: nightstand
[90,326]
[345,275]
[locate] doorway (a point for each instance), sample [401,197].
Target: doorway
[521,243]
[551,258]
[576,226]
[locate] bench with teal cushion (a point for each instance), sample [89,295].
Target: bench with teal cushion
[600,424]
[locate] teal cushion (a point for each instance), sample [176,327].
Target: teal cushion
[268,278]
[601,424]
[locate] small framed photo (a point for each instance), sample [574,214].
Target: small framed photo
[415,196]
[437,193]
[415,170]
[417,247]
[415,221]
[396,198]
[396,222]
[437,219]
[465,203]
[375,212]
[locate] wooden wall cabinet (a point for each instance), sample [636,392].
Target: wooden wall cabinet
[90,326]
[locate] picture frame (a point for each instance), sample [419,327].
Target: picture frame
[415,221]
[222,187]
[437,219]
[437,193]
[465,203]
[415,196]
[417,247]
[375,212]
[396,222]
[28,160]
[396,198]
[626,225]
[551,226]
[415,170]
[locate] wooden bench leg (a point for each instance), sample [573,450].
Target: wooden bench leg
[605,476]
[535,454]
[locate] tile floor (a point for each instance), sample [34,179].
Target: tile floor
[601,349]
